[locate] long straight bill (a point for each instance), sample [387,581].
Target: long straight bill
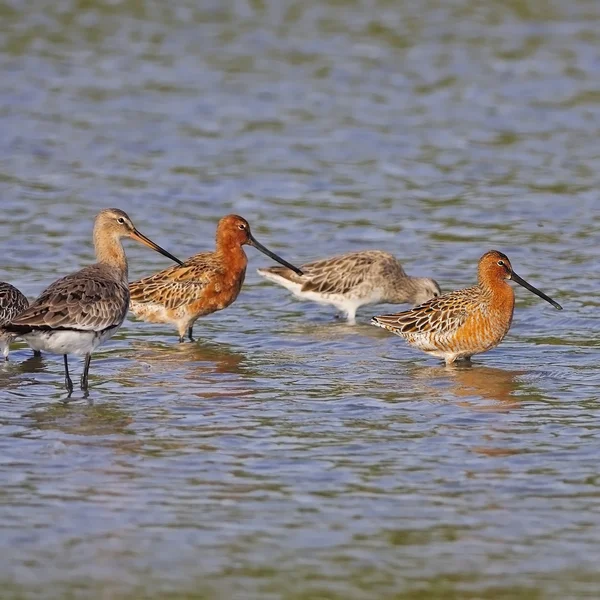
[140,237]
[274,256]
[537,292]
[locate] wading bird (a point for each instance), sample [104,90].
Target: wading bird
[354,279]
[81,311]
[466,322]
[204,284]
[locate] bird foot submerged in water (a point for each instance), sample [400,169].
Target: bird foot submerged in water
[190,336]
[459,362]
[68,381]
[347,318]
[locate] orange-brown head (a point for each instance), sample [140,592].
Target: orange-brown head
[233,231]
[494,268]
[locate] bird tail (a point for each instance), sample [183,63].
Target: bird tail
[280,275]
[390,322]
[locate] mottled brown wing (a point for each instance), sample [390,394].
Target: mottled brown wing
[12,302]
[439,315]
[341,274]
[86,301]
[176,285]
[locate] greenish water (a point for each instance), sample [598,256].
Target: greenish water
[287,455]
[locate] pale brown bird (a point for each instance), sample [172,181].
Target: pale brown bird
[349,281]
[81,311]
[205,283]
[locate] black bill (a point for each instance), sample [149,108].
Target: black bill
[537,292]
[140,237]
[285,263]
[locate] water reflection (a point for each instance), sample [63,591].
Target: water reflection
[207,358]
[433,130]
[203,368]
[12,371]
[469,384]
[87,419]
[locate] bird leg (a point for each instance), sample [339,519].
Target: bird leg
[37,353]
[68,382]
[86,369]
[183,331]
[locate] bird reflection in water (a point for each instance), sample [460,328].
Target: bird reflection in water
[194,368]
[469,385]
[15,374]
[78,418]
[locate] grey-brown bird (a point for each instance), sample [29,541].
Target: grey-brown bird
[81,311]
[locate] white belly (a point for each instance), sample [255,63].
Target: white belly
[61,341]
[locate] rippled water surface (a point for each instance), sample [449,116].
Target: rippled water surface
[287,455]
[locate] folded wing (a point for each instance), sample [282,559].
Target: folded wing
[438,316]
[84,301]
[173,287]
[341,274]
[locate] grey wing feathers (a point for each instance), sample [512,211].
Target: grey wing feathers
[86,300]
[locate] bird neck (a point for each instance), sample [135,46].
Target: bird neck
[110,252]
[404,290]
[499,292]
[232,254]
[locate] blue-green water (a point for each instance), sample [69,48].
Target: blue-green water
[287,455]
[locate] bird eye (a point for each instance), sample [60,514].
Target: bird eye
[121,221]
[501,263]
[242,226]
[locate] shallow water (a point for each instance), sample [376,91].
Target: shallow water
[287,455]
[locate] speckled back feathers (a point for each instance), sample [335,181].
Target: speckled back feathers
[92,299]
[12,302]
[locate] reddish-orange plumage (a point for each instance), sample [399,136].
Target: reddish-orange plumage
[460,324]
[204,284]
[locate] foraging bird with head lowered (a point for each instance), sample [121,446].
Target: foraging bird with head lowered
[203,284]
[466,322]
[354,279]
[79,312]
